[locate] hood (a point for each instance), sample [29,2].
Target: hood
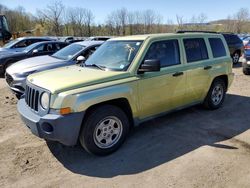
[73,77]
[7,53]
[11,49]
[33,63]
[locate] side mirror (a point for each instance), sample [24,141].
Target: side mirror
[151,65]
[34,51]
[80,58]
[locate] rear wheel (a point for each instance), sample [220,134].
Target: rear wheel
[216,94]
[236,57]
[104,130]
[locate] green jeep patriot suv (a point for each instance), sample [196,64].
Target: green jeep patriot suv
[128,80]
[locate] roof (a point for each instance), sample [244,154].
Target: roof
[160,35]
[89,43]
[51,42]
[31,37]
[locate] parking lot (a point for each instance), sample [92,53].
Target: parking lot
[190,148]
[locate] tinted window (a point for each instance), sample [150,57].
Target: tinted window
[235,38]
[166,51]
[41,48]
[217,47]
[232,38]
[196,49]
[61,45]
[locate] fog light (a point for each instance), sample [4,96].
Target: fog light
[46,127]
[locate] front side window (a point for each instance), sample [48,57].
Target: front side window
[165,51]
[196,49]
[41,48]
[115,55]
[217,47]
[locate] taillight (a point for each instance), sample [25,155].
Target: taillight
[247,47]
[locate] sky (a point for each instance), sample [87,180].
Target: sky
[213,9]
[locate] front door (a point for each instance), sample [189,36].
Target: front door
[164,90]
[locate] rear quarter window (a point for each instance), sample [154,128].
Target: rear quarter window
[217,46]
[195,49]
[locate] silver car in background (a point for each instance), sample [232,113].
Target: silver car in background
[73,54]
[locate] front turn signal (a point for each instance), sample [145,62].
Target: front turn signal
[64,111]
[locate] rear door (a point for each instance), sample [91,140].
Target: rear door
[198,66]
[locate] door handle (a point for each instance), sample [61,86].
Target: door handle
[178,74]
[207,67]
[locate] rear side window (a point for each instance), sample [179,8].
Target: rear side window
[165,51]
[217,47]
[196,49]
[58,46]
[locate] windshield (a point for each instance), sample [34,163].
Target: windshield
[115,55]
[68,52]
[11,43]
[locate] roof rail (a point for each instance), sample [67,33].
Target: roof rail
[189,31]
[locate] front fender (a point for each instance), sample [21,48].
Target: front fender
[82,101]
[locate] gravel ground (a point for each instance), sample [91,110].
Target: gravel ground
[190,148]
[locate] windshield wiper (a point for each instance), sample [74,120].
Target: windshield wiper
[98,66]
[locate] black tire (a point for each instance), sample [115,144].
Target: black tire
[236,57]
[246,72]
[209,103]
[90,128]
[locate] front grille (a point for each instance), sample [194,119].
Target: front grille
[9,79]
[32,97]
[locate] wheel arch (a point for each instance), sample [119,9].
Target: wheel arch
[122,103]
[222,77]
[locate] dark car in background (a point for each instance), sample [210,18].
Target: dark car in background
[73,54]
[246,60]
[19,44]
[98,38]
[235,45]
[37,49]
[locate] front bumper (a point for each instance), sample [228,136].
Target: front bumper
[64,129]
[1,70]
[16,84]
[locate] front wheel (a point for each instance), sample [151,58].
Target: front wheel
[246,71]
[216,95]
[104,130]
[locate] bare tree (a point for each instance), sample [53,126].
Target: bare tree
[180,22]
[53,14]
[88,20]
[241,17]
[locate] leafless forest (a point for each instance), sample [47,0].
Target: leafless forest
[57,19]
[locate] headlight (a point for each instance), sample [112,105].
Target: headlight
[44,100]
